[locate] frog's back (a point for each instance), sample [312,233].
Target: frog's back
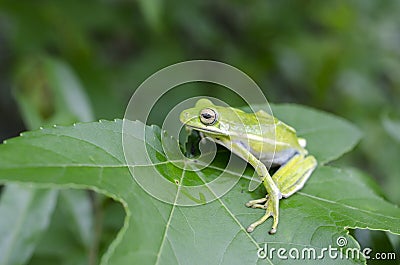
[271,140]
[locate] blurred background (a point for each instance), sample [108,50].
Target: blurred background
[68,61]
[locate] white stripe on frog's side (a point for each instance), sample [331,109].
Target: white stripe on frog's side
[262,139]
[268,159]
[247,136]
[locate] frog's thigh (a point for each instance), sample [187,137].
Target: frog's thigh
[291,177]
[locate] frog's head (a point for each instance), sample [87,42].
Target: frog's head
[209,118]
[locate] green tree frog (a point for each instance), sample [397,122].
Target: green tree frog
[261,140]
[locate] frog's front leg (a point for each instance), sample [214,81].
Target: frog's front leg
[289,178]
[274,194]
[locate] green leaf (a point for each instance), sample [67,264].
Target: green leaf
[152,11]
[60,245]
[319,128]
[78,212]
[42,77]
[23,207]
[392,127]
[90,156]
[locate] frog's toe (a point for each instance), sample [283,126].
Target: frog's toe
[271,210]
[258,206]
[267,214]
[272,231]
[259,203]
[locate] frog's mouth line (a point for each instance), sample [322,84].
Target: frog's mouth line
[214,131]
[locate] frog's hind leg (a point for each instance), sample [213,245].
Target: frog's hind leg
[292,176]
[289,178]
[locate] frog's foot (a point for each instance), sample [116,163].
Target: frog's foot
[272,209]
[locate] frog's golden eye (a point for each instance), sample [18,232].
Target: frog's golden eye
[208,116]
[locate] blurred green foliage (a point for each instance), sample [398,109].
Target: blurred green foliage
[339,56]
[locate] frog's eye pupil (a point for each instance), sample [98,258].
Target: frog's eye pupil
[208,116]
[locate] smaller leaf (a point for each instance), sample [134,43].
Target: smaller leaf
[152,10]
[48,92]
[77,208]
[58,244]
[23,207]
[392,127]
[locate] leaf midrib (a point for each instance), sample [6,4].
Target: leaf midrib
[242,228]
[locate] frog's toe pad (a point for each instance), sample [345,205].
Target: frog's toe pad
[250,228]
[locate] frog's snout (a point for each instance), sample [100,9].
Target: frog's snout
[184,117]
